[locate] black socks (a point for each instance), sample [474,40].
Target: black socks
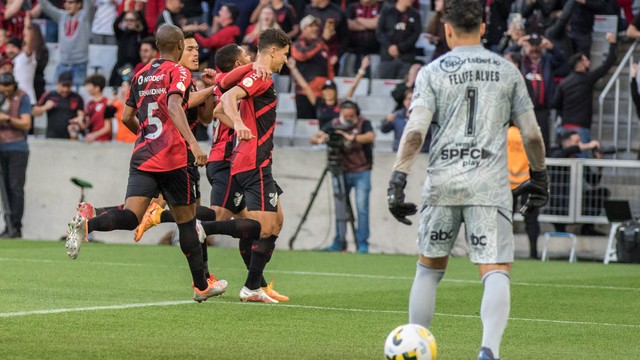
[192,250]
[260,255]
[113,220]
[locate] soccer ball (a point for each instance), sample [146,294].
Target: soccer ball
[410,341]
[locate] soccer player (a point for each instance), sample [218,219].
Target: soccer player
[159,163]
[228,58]
[474,94]
[251,163]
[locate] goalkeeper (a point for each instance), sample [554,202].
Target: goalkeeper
[468,97]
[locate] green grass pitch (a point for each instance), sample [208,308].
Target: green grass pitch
[133,302]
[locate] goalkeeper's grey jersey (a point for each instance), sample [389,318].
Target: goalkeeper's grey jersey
[473,94]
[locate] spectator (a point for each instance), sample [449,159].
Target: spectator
[509,42]
[497,12]
[95,127]
[409,80]
[558,32]
[130,28]
[172,14]
[539,14]
[62,106]
[148,52]
[192,11]
[356,162]
[312,60]
[635,92]
[581,23]
[12,13]
[41,52]
[121,133]
[435,31]
[24,61]
[362,21]
[518,166]
[223,32]
[266,20]
[541,64]
[633,30]
[244,8]
[574,96]
[326,105]
[398,30]
[6,66]
[286,16]
[333,25]
[593,197]
[15,121]
[74,31]
[102,28]
[151,9]
[396,122]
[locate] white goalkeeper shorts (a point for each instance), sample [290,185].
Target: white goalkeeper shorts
[489,231]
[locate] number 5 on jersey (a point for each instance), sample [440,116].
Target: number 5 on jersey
[151,108]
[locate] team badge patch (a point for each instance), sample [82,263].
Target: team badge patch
[248,82]
[181,86]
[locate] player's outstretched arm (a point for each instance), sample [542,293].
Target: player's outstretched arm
[229,101]
[179,119]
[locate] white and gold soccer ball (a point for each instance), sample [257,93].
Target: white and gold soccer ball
[410,341]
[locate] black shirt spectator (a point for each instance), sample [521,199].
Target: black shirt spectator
[498,11]
[574,96]
[398,30]
[129,28]
[61,106]
[333,24]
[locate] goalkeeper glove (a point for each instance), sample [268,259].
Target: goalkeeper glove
[537,187]
[395,197]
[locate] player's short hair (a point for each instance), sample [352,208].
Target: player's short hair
[226,57]
[273,37]
[189,35]
[96,80]
[464,15]
[150,40]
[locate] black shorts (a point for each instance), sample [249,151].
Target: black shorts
[179,187]
[260,190]
[225,193]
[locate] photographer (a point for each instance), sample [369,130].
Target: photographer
[351,136]
[593,197]
[15,121]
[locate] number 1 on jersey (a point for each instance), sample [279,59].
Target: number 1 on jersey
[472,100]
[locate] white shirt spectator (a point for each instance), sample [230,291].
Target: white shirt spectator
[24,70]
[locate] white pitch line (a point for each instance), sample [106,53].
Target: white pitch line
[94,308]
[345,275]
[293,306]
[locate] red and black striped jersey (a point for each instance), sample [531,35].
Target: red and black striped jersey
[192,113]
[160,146]
[223,136]
[258,111]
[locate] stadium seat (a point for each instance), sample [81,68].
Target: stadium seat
[304,129]
[102,59]
[282,83]
[376,107]
[550,235]
[283,133]
[383,86]
[344,83]
[286,106]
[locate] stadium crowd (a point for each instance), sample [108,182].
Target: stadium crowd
[549,40]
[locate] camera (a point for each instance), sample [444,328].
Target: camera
[336,144]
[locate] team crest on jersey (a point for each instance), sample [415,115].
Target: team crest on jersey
[99,107]
[181,86]
[248,82]
[237,198]
[273,199]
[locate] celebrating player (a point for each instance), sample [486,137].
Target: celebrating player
[475,93]
[251,163]
[159,163]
